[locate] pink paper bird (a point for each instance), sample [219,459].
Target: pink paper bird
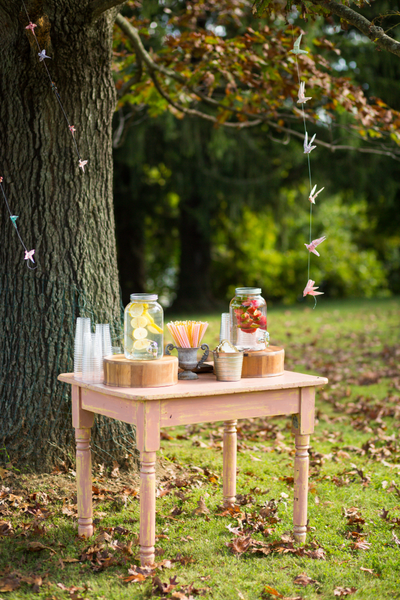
[308,147]
[301,94]
[31,26]
[311,247]
[310,289]
[1,179]
[72,129]
[42,55]
[82,164]
[29,255]
[314,194]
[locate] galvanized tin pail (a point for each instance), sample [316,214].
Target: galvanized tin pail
[228,365]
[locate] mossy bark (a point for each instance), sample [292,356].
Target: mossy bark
[64,214]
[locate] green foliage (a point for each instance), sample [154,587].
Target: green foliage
[261,250]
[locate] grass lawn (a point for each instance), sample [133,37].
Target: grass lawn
[353,544]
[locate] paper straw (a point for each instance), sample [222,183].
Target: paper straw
[187,334]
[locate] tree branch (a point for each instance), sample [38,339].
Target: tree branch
[375,34]
[98,7]
[154,68]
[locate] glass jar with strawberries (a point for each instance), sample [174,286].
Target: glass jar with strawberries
[248,319]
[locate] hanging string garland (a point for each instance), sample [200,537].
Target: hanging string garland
[310,288]
[42,58]
[82,163]
[28,253]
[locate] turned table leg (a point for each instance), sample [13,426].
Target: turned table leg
[229,466]
[84,482]
[300,487]
[147,507]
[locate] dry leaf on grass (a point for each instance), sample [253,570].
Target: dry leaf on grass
[304,580]
[9,583]
[344,591]
[201,508]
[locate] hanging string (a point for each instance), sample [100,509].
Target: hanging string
[42,58]
[310,288]
[28,253]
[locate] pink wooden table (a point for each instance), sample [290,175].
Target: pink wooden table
[201,401]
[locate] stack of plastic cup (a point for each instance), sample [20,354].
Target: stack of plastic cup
[225,331]
[82,327]
[92,360]
[105,335]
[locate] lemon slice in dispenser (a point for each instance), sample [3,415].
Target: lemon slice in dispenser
[136,310]
[154,328]
[141,344]
[139,322]
[140,333]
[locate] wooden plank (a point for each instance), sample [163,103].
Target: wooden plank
[203,410]
[206,385]
[121,409]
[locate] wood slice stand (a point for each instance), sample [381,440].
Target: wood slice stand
[264,363]
[121,372]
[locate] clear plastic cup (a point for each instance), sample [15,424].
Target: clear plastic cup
[82,327]
[224,332]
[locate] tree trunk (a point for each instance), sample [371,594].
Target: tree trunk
[65,214]
[194,285]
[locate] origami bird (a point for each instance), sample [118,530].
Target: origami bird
[308,147]
[310,289]
[82,164]
[301,94]
[311,247]
[72,129]
[296,46]
[29,255]
[13,219]
[314,194]
[42,55]
[31,26]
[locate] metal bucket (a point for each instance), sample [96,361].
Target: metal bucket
[228,365]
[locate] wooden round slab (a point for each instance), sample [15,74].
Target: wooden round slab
[264,363]
[121,372]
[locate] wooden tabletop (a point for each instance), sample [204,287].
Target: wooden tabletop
[205,385]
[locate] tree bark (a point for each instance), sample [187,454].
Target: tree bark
[194,284]
[64,214]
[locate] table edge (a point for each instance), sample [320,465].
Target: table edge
[256,384]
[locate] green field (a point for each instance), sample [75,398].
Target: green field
[353,544]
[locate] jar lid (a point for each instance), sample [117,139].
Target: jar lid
[144,297]
[243,291]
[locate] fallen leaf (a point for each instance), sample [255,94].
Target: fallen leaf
[272,592]
[9,583]
[341,591]
[371,571]
[239,545]
[304,580]
[201,507]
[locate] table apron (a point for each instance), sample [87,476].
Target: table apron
[185,411]
[122,409]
